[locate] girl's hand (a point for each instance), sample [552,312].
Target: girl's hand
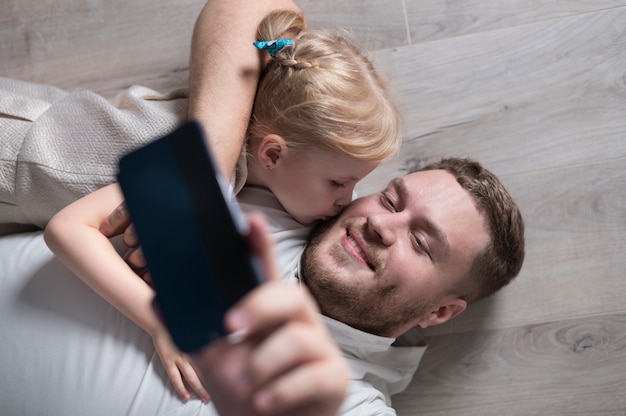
[178,367]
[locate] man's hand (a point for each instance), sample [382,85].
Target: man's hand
[117,223]
[286,364]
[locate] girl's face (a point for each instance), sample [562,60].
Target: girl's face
[314,184]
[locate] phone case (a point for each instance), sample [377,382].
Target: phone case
[190,232]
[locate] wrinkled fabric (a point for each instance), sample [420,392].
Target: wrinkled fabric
[57,146]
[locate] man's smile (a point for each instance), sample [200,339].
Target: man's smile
[357,248]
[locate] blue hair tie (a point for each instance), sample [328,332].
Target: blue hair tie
[272,46]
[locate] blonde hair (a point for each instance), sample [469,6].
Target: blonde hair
[322,92]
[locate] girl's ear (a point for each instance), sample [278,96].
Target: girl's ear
[270,151]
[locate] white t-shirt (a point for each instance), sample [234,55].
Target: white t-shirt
[379,367]
[38,323]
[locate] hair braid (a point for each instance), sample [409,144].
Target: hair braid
[322,92]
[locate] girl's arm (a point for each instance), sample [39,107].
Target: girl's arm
[225,70]
[223,77]
[73,235]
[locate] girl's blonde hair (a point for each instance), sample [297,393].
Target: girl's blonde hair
[322,92]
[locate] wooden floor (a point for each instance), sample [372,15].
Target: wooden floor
[535,90]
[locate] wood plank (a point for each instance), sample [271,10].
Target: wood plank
[108,46]
[531,97]
[435,19]
[376,24]
[575,243]
[573,368]
[101,46]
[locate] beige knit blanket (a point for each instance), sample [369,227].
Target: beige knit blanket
[57,146]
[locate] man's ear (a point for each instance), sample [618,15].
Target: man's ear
[448,309]
[271,149]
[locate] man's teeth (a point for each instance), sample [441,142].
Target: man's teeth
[360,251]
[356,246]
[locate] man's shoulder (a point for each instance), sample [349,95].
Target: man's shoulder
[364,399]
[381,364]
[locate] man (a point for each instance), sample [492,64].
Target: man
[415,254]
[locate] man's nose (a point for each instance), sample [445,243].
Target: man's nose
[384,227]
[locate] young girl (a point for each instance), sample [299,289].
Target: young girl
[322,120]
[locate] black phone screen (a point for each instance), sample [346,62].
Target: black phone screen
[190,234]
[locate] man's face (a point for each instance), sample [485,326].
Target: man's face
[390,261]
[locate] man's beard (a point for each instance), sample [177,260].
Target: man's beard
[379,310]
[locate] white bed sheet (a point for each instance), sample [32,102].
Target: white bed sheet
[65,351]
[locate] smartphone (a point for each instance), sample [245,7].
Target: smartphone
[191,232]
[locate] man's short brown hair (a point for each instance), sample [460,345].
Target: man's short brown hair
[502,259]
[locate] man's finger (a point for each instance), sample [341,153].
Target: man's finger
[116,222]
[130,236]
[309,390]
[287,348]
[136,260]
[269,306]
